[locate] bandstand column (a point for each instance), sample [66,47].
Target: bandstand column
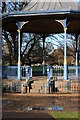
[19,48]
[76,56]
[65,51]
[15,47]
[43,54]
[0,67]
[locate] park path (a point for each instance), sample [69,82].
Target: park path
[27,116]
[14,105]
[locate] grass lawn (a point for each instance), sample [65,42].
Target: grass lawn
[64,114]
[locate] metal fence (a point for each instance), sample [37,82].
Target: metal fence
[9,72]
[26,72]
[58,71]
[56,82]
[12,72]
[55,77]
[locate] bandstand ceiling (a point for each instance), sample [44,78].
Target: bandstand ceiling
[45,17]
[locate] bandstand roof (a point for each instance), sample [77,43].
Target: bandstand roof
[44,17]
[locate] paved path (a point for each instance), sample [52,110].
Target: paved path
[55,94]
[37,115]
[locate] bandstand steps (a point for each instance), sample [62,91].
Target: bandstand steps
[38,85]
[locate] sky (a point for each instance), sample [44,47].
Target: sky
[77,0]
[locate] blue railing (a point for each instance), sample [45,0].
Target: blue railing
[55,75]
[26,73]
[58,72]
[11,72]
[49,74]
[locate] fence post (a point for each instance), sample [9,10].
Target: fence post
[76,86]
[27,73]
[22,88]
[31,72]
[77,65]
[28,76]
[43,54]
[48,75]
[45,88]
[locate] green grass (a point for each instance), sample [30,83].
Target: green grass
[64,114]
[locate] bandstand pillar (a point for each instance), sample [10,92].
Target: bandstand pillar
[65,51]
[77,56]
[0,67]
[43,54]
[19,49]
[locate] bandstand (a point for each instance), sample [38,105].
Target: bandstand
[45,18]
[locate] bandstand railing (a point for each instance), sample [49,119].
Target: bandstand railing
[11,72]
[26,72]
[10,80]
[56,82]
[55,77]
